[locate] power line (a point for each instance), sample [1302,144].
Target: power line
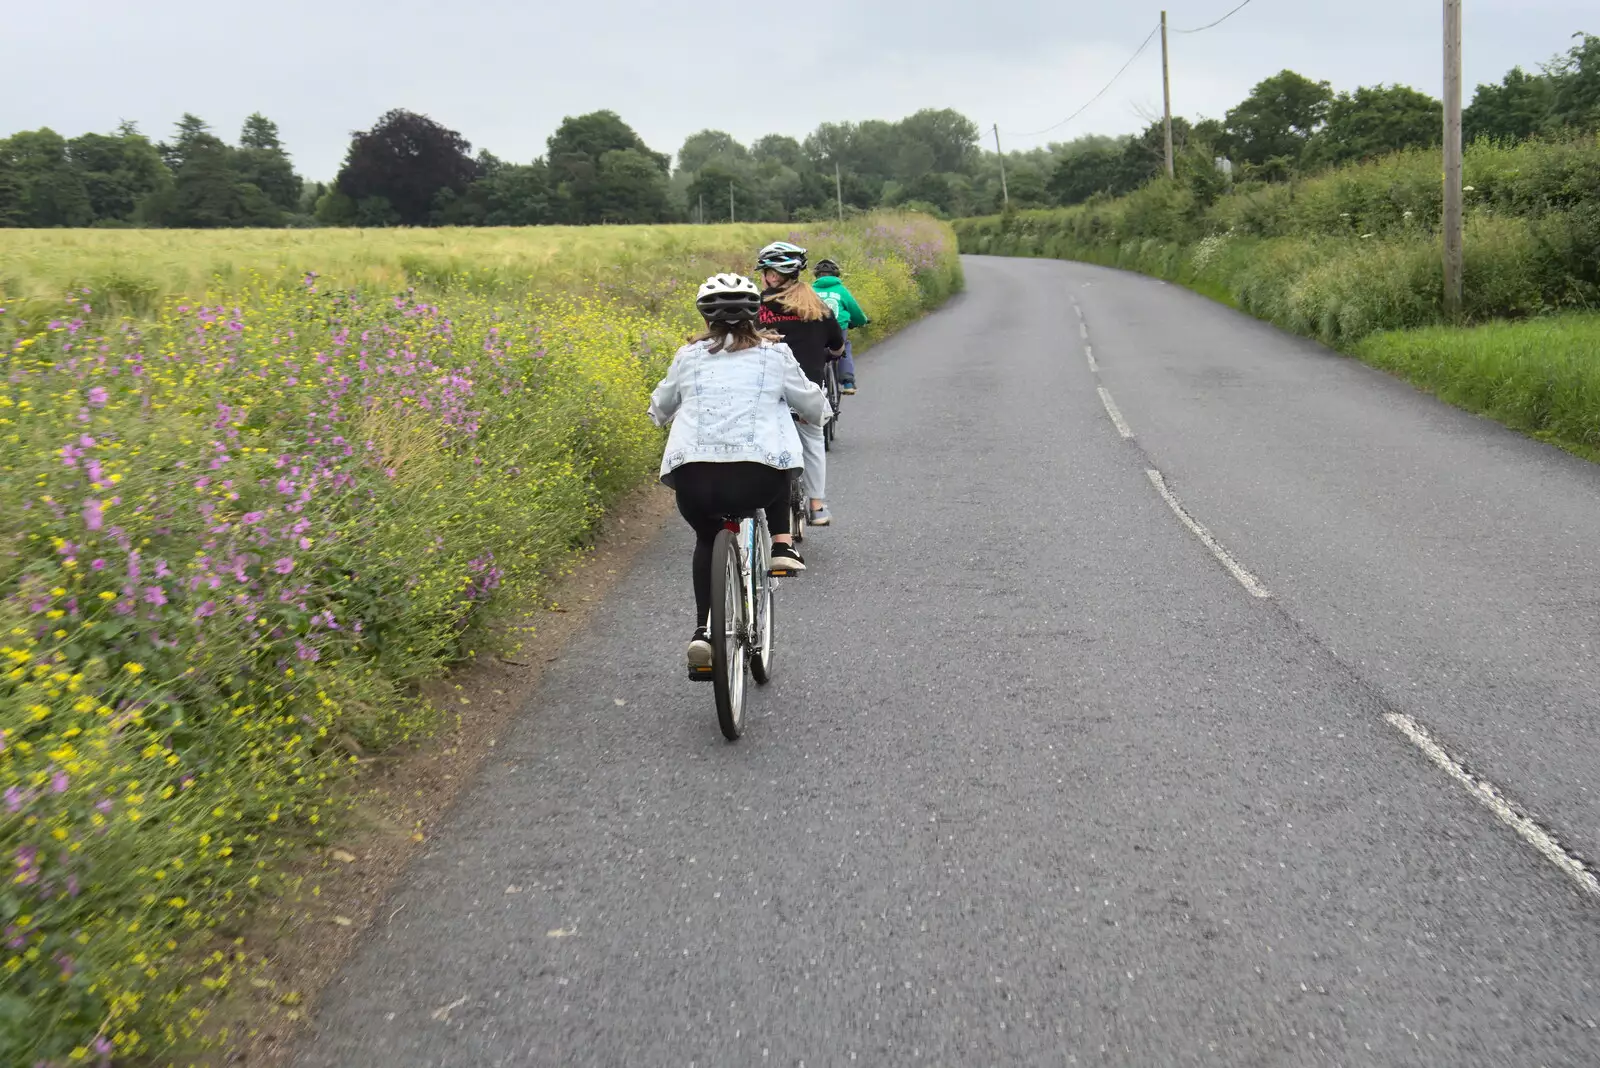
[1098,95]
[1219,22]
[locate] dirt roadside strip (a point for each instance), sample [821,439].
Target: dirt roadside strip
[306,934]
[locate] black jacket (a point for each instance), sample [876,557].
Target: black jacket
[808,339]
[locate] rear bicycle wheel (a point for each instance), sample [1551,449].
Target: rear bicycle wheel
[728,626]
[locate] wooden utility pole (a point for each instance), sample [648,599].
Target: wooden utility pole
[1454,255]
[1004,192]
[702,209]
[730,203]
[838,189]
[1166,94]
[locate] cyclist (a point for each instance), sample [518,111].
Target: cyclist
[839,300]
[812,333]
[733,445]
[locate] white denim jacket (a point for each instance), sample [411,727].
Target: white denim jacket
[732,407]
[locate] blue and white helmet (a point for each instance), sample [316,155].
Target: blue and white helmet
[782,257]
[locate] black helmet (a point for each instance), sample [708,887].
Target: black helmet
[826,267]
[729,298]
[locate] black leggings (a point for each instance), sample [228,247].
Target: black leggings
[708,492]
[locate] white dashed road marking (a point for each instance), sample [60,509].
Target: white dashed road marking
[1246,579]
[1088,350]
[1116,416]
[1543,842]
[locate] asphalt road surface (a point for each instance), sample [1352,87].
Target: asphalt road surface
[1169,691]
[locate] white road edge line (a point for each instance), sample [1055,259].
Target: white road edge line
[1083,331]
[1490,797]
[1247,580]
[1088,350]
[1116,416]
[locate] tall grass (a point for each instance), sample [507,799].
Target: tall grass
[236,533]
[1541,377]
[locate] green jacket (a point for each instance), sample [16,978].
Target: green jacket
[840,302]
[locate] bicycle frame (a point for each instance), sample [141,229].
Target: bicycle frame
[747,530]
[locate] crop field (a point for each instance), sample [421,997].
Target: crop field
[255,487]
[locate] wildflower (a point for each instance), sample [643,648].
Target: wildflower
[155,595]
[59,782]
[284,565]
[133,667]
[206,610]
[98,396]
[94,514]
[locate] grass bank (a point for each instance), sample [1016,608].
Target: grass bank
[1356,253]
[238,531]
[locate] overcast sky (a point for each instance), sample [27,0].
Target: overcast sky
[504,72]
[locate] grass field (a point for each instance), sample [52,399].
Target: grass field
[240,527]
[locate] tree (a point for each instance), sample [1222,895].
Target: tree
[12,191]
[47,190]
[776,148]
[1577,86]
[1375,121]
[262,162]
[208,189]
[950,138]
[1277,119]
[580,178]
[595,134]
[119,171]
[192,131]
[1516,109]
[707,145]
[713,182]
[396,170]
[1084,174]
[632,188]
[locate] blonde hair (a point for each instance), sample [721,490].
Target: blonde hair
[733,337]
[800,300]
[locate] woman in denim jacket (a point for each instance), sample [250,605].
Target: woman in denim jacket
[733,445]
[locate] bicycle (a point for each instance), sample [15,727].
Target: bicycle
[742,624]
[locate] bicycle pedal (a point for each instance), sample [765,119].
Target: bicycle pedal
[701,674]
[783,573]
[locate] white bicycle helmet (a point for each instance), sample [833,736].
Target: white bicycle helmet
[729,298]
[782,257]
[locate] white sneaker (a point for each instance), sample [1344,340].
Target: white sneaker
[700,652]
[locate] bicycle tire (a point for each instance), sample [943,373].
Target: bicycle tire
[728,658]
[831,429]
[765,624]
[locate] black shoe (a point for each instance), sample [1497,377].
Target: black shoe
[786,558]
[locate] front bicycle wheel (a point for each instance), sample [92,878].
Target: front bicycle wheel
[728,628]
[764,629]
[798,512]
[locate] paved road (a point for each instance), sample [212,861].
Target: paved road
[1041,781]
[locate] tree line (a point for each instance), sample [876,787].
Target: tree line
[410,170]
